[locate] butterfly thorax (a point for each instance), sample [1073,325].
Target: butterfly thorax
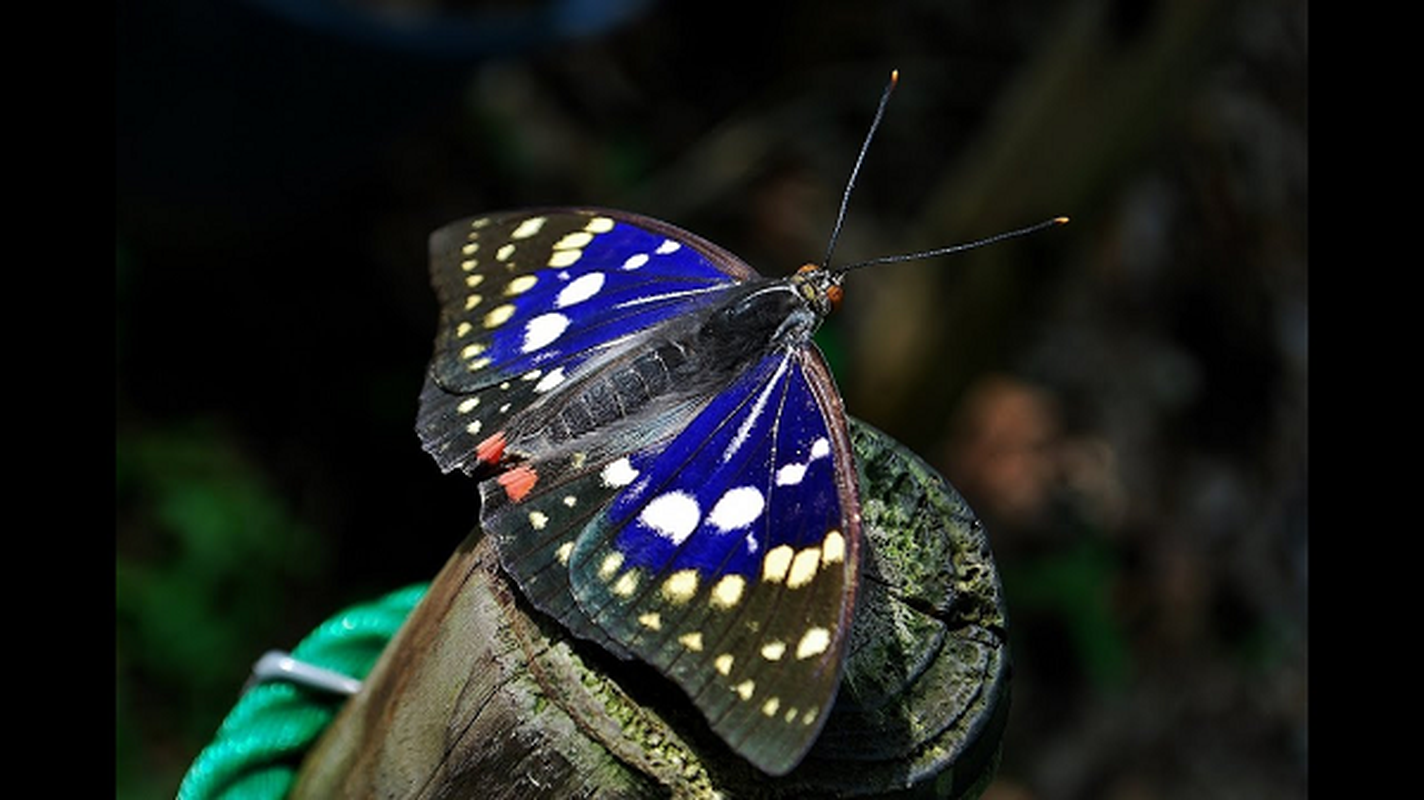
[765,316]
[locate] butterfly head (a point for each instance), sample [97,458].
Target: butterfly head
[820,287]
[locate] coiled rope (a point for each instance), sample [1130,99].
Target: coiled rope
[259,747]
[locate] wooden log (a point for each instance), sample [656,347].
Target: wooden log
[481,696]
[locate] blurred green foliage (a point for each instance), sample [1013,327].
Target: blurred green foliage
[1072,590]
[208,554]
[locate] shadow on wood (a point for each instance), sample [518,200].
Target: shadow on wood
[481,696]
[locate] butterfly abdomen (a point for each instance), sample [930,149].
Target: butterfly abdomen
[607,397]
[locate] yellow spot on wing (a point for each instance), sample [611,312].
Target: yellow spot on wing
[528,227]
[769,707]
[472,301]
[538,520]
[813,643]
[723,663]
[574,241]
[833,549]
[565,550]
[610,565]
[773,651]
[470,351]
[599,225]
[692,641]
[463,329]
[803,569]
[564,258]
[467,405]
[745,689]
[626,585]
[776,563]
[503,253]
[652,620]
[520,285]
[681,586]
[499,316]
[474,280]
[728,591]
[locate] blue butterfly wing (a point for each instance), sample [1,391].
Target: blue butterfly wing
[710,531]
[527,298]
[730,560]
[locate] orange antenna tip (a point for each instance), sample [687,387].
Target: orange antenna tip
[894,76]
[1060,220]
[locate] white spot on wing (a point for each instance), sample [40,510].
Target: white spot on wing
[790,475]
[635,261]
[738,508]
[582,288]
[668,246]
[674,516]
[549,381]
[544,329]
[618,473]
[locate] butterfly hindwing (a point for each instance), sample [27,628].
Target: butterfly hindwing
[729,561]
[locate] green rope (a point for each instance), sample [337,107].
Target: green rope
[259,747]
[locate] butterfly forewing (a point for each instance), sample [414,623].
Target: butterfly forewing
[689,505]
[527,298]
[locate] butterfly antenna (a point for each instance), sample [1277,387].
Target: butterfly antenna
[955,248]
[859,159]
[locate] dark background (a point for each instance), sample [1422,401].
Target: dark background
[1122,399]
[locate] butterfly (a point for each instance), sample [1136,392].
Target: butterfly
[665,460]
[666,464]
